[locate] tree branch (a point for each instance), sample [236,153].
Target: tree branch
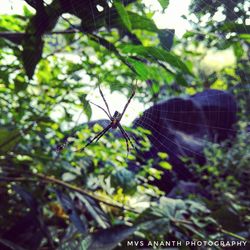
[52,180]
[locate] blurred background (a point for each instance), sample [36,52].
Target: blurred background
[188,176]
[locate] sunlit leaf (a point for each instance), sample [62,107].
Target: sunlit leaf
[154,54]
[86,106]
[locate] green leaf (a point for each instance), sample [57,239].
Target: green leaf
[235,27]
[141,22]
[140,68]
[238,50]
[95,210]
[180,80]
[165,165]
[86,106]
[162,155]
[154,54]
[8,139]
[164,3]
[68,176]
[157,218]
[245,37]
[125,179]
[123,14]
[27,12]
[20,83]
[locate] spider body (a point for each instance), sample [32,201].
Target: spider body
[115,120]
[114,124]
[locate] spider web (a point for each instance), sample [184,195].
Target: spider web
[165,142]
[168,138]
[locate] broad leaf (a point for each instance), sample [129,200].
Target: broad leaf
[95,210]
[155,54]
[141,22]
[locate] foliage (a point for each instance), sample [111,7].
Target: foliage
[49,63]
[226,175]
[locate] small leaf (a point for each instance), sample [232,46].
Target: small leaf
[162,155]
[164,3]
[165,165]
[166,37]
[238,50]
[86,106]
[68,176]
[123,14]
[20,83]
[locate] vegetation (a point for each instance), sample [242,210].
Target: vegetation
[51,57]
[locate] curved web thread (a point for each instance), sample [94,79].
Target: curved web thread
[149,120]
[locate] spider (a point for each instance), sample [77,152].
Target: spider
[114,124]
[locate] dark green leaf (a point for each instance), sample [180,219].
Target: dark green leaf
[123,14]
[8,139]
[166,37]
[154,54]
[125,179]
[141,22]
[20,83]
[95,210]
[80,222]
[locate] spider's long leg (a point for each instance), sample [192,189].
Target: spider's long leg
[126,137]
[102,95]
[97,137]
[125,133]
[101,109]
[129,100]
[127,142]
[64,142]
